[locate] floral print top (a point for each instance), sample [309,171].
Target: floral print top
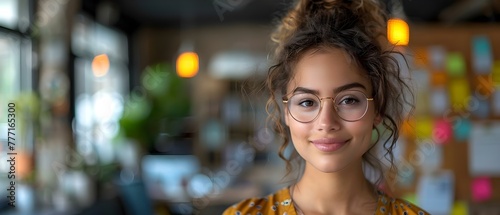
[280,203]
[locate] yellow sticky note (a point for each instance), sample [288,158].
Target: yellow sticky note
[495,74]
[455,64]
[460,208]
[424,127]
[459,93]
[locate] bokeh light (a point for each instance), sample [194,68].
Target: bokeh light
[187,64]
[100,65]
[398,32]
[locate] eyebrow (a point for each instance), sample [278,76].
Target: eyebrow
[336,90]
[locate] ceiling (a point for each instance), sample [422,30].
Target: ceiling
[201,12]
[188,13]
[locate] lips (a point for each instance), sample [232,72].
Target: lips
[329,144]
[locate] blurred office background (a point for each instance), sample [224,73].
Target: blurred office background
[153,107]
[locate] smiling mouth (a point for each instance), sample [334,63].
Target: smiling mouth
[329,145]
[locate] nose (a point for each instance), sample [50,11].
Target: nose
[328,119]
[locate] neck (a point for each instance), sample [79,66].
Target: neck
[340,192]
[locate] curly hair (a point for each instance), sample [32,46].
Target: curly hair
[358,28]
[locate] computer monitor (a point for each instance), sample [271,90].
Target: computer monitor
[167,176]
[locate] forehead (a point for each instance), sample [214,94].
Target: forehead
[327,69]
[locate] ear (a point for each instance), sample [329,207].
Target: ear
[285,115]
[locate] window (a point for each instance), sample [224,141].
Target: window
[99,95]
[15,72]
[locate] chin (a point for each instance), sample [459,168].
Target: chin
[329,165]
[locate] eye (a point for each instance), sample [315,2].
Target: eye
[307,103]
[304,100]
[349,100]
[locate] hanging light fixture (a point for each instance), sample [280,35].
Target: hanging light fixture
[187,64]
[398,32]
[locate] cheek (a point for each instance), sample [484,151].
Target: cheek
[371,118]
[363,131]
[298,130]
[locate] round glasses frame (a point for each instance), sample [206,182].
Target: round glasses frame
[285,101]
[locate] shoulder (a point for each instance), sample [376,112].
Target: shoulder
[389,205]
[275,203]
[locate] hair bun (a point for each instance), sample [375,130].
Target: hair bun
[368,13]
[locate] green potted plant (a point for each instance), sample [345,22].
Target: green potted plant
[160,103]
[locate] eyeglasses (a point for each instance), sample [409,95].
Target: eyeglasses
[350,105]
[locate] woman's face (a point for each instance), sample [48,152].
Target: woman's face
[330,143]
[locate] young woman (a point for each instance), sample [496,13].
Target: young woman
[337,83]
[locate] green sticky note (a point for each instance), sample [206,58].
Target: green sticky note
[455,64]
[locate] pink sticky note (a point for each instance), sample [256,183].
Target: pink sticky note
[442,131]
[481,189]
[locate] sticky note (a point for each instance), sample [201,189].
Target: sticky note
[481,189]
[424,127]
[439,101]
[438,78]
[421,58]
[483,149]
[495,73]
[421,79]
[455,64]
[437,57]
[459,93]
[428,156]
[442,131]
[436,191]
[461,128]
[422,102]
[496,101]
[480,107]
[460,208]
[484,86]
[408,129]
[482,58]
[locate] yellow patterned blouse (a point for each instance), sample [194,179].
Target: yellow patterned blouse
[280,203]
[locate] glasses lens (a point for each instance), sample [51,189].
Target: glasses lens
[304,107]
[351,105]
